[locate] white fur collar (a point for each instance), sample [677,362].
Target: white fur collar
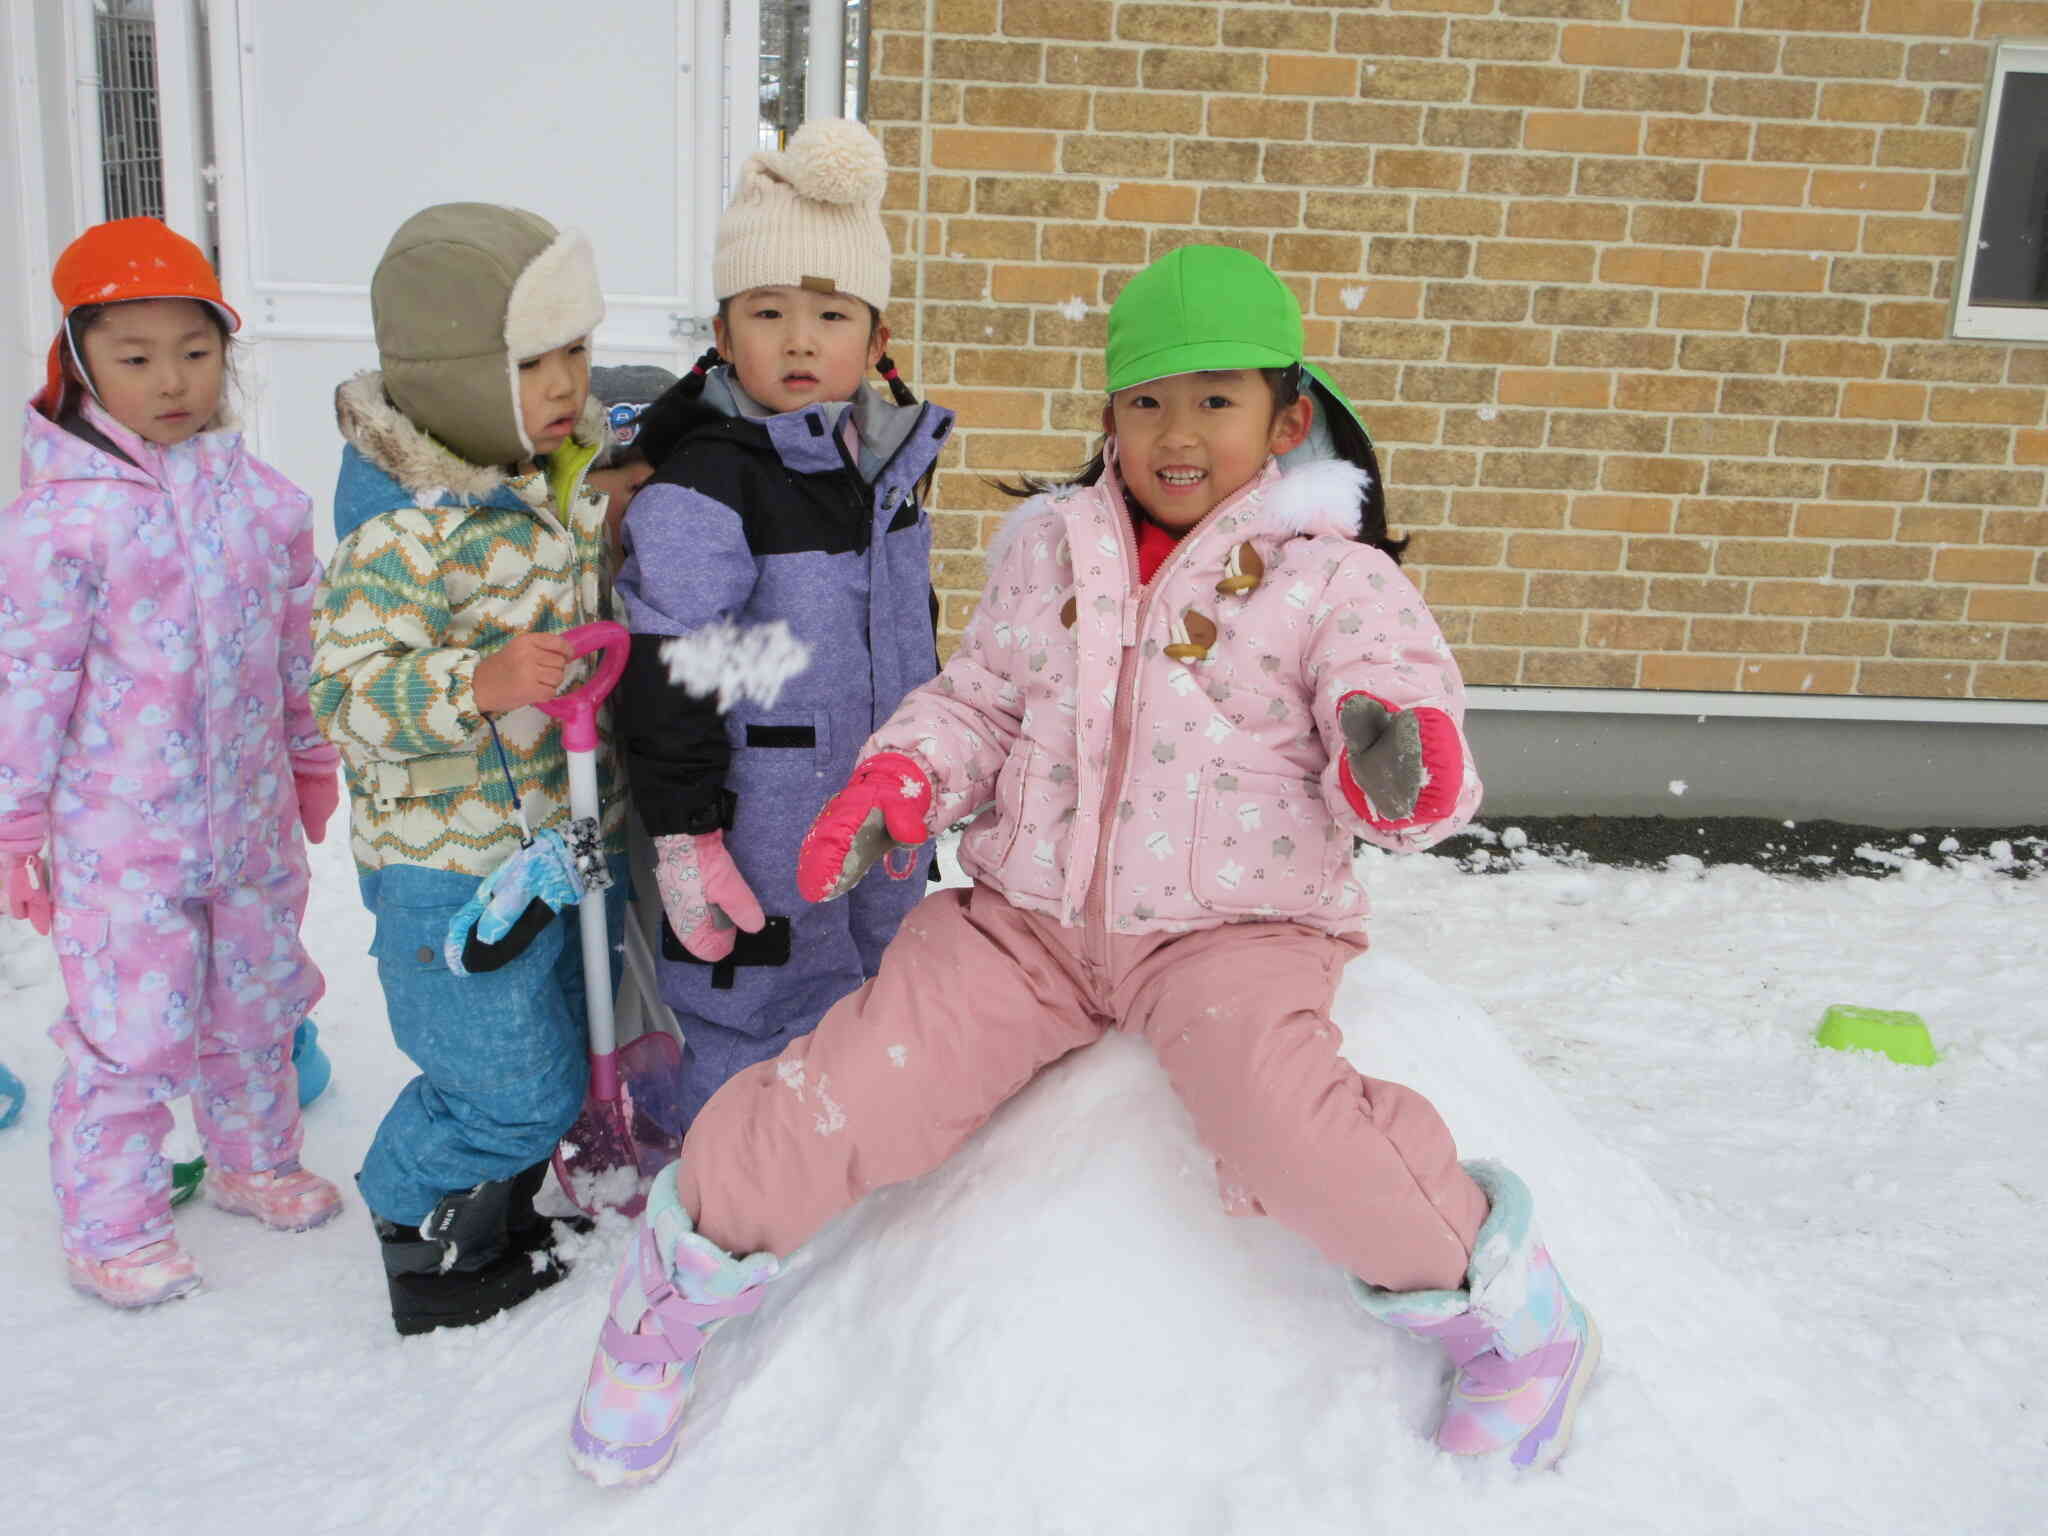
[1320,497]
[387,437]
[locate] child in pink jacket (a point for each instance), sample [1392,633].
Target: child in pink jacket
[156,583]
[1194,677]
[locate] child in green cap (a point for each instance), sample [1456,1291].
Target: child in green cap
[1195,676]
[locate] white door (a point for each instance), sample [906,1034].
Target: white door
[334,123]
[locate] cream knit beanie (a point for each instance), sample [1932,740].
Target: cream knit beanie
[810,217]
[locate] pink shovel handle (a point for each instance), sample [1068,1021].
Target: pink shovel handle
[577,709]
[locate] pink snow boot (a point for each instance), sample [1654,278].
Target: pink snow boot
[675,1287]
[286,1197]
[1523,1348]
[150,1274]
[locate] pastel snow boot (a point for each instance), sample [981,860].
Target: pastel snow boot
[154,1273]
[285,1198]
[315,1070]
[1523,1348]
[673,1290]
[461,1266]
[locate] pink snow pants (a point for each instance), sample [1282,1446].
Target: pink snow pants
[975,996]
[182,979]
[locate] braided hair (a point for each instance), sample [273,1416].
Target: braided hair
[666,419]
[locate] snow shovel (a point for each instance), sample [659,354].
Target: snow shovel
[624,1134]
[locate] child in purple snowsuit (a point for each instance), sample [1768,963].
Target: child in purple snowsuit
[155,587]
[785,493]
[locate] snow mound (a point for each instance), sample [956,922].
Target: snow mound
[1061,1331]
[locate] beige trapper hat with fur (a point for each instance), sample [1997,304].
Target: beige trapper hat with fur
[809,216]
[464,293]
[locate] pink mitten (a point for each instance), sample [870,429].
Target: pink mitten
[882,809]
[1402,767]
[704,893]
[28,889]
[319,793]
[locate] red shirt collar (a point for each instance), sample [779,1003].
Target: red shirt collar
[1154,544]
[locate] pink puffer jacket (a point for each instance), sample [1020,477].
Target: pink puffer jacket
[1165,759]
[155,641]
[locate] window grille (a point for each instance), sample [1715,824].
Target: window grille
[785,59]
[131,146]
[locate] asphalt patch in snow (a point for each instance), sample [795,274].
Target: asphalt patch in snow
[1815,849]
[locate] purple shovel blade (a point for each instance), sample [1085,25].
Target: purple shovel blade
[596,1162]
[651,1077]
[627,1131]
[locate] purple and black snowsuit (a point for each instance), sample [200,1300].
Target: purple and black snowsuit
[802,519]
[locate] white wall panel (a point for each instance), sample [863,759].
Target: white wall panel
[358,115]
[335,123]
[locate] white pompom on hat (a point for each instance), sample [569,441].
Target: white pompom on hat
[809,216]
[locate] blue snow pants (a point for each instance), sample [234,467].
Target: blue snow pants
[503,1055]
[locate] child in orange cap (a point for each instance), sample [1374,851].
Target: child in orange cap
[156,583]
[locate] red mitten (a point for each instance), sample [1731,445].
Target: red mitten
[1402,767]
[27,886]
[319,793]
[882,809]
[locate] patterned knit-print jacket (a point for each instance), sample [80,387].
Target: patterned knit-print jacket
[153,645]
[440,563]
[1165,758]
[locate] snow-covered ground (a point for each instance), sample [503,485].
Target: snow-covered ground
[1820,1276]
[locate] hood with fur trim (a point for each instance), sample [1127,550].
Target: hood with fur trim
[391,462]
[1318,497]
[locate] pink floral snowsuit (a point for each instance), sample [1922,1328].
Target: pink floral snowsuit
[154,653]
[1167,850]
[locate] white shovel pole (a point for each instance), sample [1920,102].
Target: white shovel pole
[577,712]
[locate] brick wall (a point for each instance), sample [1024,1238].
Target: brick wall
[1643,300]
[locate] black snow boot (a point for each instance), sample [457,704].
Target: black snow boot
[460,1266]
[528,1230]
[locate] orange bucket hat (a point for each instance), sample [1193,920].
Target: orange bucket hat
[123,260]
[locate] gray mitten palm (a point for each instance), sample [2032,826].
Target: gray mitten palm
[1384,749]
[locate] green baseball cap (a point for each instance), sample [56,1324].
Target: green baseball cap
[1197,308]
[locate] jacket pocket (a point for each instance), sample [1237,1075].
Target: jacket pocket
[1264,844]
[387,782]
[412,907]
[773,744]
[1033,824]
[78,931]
[782,736]
[769,947]
[991,835]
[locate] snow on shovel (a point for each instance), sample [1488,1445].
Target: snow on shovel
[627,1131]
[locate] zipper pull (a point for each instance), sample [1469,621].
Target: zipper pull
[1130,622]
